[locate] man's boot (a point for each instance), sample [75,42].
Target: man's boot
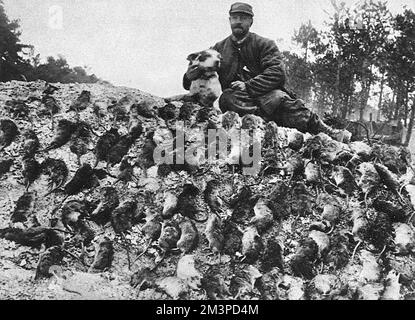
[341,135]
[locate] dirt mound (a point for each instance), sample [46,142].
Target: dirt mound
[87,212]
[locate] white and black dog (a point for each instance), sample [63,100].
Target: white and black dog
[205,90]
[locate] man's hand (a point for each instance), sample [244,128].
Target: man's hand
[238,85]
[194,72]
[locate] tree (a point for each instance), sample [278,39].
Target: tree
[400,67]
[360,35]
[349,56]
[300,68]
[334,66]
[58,70]
[306,36]
[300,77]
[18,61]
[371,39]
[12,61]
[411,123]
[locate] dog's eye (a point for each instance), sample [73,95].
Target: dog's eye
[203,57]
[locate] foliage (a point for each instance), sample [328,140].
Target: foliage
[18,62]
[299,75]
[58,70]
[11,50]
[363,49]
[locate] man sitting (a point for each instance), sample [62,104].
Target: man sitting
[252,76]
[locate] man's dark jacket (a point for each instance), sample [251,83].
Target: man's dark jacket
[257,62]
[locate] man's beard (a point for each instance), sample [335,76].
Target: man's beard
[239,32]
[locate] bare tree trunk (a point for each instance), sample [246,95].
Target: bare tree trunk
[366,84]
[411,124]
[337,86]
[405,103]
[345,109]
[382,83]
[393,103]
[399,103]
[349,99]
[364,99]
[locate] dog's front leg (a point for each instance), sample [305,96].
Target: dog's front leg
[216,106]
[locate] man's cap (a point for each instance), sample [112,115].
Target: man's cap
[240,7]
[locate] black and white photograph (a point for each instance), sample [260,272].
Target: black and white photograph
[216,152]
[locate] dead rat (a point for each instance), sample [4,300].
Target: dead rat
[8,132]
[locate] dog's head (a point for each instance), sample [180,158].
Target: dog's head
[208,59]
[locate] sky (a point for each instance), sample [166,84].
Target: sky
[143,44]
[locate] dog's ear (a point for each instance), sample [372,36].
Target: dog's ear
[193,56]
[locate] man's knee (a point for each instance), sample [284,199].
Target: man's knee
[272,101]
[275,96]
[237,101]
[286,111]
